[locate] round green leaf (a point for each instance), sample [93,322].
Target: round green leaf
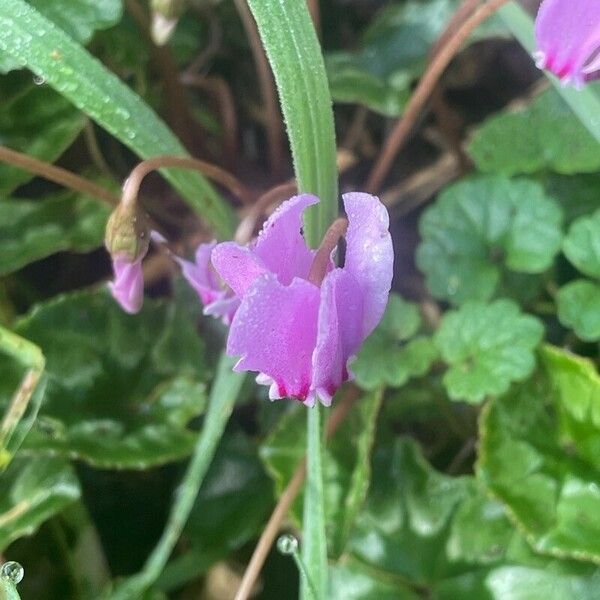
[487,347]
[387,357]
[582,244]
[481,226]
[550,137]
[579,308]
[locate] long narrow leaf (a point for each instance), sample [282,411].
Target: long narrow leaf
[585,103]
[38,44]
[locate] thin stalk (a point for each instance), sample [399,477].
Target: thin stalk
[57,175]
[222,398]
[132,185]
[286,500]
[314,540]
[423,91]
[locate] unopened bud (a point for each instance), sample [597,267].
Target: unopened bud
[128,233]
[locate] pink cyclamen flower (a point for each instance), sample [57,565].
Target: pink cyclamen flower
[298,335]
[128,287]
[568,39]
[218,300]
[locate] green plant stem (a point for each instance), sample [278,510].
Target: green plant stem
[314,547]
[222,398]
[293,50]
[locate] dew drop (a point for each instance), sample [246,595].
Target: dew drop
[287,544]
[39,79]
[12,571]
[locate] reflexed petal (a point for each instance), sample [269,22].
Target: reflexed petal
[281,245]
[200,275]
[238,265]
[369,254]
[128,286]
[223,309]
[275,331]
[568,37]
[339,333]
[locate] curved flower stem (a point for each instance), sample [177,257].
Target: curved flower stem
[423,91]
[222,398]
[131,187]
[318,269]
[56,174]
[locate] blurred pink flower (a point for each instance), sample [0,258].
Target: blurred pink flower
[568,40]
[128,286]
[219,301]
[298,335]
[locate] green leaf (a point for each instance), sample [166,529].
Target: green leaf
[293,49]
[578,306]
[32,491]
[51,54]
[387,356]
[79,19]
[392,52]
[582,244]
[487,347]
[114,399]
[38,122]
[479,227]
[31,230]
[442,537]
[550,135]
[578,195]
[346,465]
[584,103]
[233,503]
[539,455]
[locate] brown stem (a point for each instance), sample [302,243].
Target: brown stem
[315,14]
[464,11]
[19,404]
[218,88]
[179,113]
[285,501]
[56,174]
[131,187]
[267,88]
[91,141]
[332,236]
[277,194]
[421,94]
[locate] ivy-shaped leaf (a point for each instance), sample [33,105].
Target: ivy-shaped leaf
[32,491]
[487,347]
[550,137]
[426,534]
[391,355]
[31,230]
[481,226]
[540,455]
[114,399]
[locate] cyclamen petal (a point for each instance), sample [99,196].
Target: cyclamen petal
[218,301]
[298,336]
[568,39]
[128,287]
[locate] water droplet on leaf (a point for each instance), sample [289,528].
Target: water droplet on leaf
[12,571]
[287,544]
